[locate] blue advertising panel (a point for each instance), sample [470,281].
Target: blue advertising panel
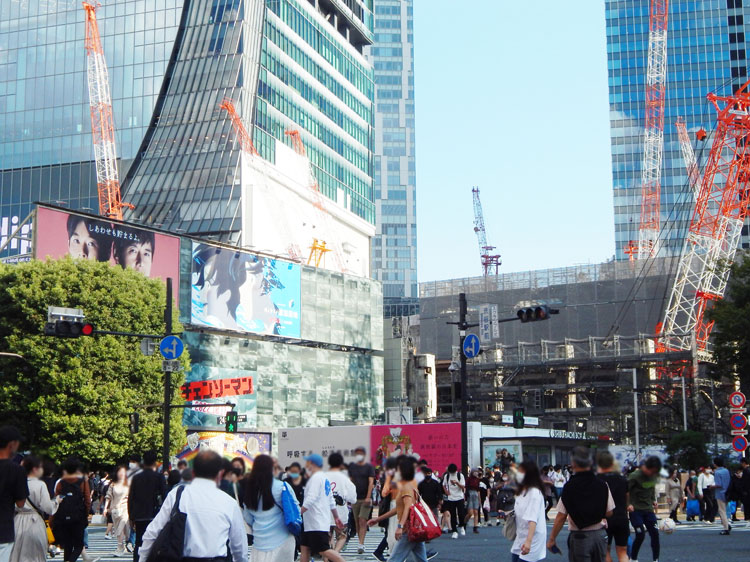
[244,292]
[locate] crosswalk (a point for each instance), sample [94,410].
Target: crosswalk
[104,549]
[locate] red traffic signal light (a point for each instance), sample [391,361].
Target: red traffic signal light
[68,329]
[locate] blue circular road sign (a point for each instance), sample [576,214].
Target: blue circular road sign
[171,347]
[738,421]
[739,443]
[471,346]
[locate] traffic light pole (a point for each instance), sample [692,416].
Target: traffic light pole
[167,379]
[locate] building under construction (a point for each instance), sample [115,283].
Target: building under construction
[574,371]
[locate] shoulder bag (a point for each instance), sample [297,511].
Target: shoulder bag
[171,539]
[509,528]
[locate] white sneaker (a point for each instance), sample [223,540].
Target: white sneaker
[445,529]
[108,536]
[462,531]
[454,536]
[361,549]
[119,552]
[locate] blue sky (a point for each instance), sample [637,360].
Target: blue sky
[512,97]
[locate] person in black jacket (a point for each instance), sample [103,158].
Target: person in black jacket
[147,492]
[745,486]
[431,491]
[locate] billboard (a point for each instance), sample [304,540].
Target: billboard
[297,443]
[491,449]
[244,292]
[207,386]
[59,234]
[247,445]
[438,443]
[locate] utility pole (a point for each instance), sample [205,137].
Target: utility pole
[635,416]
[167,378]
[462,327]
[684,404]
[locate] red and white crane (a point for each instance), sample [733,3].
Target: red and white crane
[102,122]
[688,155]
[488,259]
[653,138]
[715,228]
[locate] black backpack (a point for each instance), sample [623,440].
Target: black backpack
[171,539]
[72,508]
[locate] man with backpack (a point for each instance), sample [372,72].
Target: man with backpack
[72,516]
[147,492]
[214,529]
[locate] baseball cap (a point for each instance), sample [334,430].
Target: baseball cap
[317,460]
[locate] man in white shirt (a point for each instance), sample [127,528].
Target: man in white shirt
[454,485]
[317,509]
[344,495]
[213,517]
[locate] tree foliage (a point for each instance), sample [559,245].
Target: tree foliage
[688,449]
[73,396]
[731,333]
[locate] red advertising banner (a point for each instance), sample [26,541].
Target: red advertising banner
[217,388]
[438,443]
[60,234]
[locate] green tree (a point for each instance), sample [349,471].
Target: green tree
[73,396]
[731,333]
[688,449]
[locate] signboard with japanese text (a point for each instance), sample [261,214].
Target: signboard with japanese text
[296,443]
[437,443]
[217,388]
[59,234]
[485,329]
[210,387]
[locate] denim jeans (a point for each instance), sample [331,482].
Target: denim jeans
[644,521]
[404,547]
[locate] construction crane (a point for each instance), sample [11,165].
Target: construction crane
[489,260]
[688,155]
[319,249]
[715,228]
[102,122]
[653,138]
[243,137]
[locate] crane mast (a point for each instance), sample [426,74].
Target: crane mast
[715,228]
[688,155]
[489,260]
[102,122]
[653,138]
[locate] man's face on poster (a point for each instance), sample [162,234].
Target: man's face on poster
[138,256]
[82,244]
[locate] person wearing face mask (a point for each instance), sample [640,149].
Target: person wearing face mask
[473,502]
[642,505]
[706,495]
[362,474]
[31,533]
[296,480]
[454,485]
[388,492]
[406,497]
[344,495]
[317,510]
[531,519]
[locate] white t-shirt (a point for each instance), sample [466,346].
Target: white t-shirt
[530,507]
[343,487]
[559,479]
[318,503]
[455,493]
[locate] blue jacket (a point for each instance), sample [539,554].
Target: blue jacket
[722,479]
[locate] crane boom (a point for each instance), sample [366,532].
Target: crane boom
[489,261]
[653,138]
[688,155]
[102,122]
[243,137]
[715,228]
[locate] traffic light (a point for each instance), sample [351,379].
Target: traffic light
[231,422]
[135,422]
[535,313]
[518,418]
[68,329]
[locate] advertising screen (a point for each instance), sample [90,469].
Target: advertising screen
[206,386]
[245,292]
[438,443]
[296,443]
[246,445]
[59,234]
[492,449]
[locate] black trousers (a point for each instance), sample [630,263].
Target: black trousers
[709,500]
[69,535]
[140,530]
[457,509]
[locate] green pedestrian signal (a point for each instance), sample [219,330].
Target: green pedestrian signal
[231,422]
[518,420]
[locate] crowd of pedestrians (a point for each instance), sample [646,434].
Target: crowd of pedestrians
[312,512]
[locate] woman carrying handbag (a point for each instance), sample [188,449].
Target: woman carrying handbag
[31,530]
[406,498]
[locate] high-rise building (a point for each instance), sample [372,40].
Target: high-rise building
[394,248]
[706,52]
[287,65]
